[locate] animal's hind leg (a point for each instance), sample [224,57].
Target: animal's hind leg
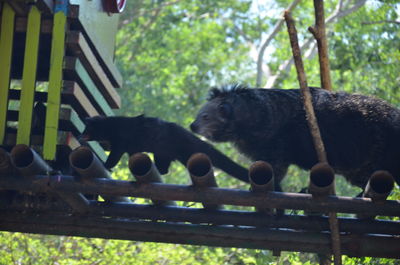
[162,163]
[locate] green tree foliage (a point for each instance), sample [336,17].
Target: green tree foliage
[171,52]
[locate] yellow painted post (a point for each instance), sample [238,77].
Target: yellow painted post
[55,81]
[6,44]
[29,77]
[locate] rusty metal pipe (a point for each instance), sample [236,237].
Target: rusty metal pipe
[144,171]
[86,163]
[202,175]
[322,180]
[261,176]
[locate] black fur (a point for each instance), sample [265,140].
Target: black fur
[166,140]
[361,133]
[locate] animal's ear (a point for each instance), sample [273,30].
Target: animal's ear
[140,117]
[225,110]
[213,93]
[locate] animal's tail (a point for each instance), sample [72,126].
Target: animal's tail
[224,163]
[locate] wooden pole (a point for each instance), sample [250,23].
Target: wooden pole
[223,236]
[281,200]
[33,204]
[319,34]
[313,124]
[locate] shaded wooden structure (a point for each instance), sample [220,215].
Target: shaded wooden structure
[62,53]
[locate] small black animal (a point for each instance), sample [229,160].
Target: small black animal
[361,133]
[166,140]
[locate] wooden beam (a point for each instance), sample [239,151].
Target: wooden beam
[222,236]
[6,45]
[281,200]
[29,76]
[80,20]
[76,71]
[80,47]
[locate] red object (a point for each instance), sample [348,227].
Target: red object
[114,6]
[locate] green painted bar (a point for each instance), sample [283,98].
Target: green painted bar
[55,86]
[29,76]
[6,44]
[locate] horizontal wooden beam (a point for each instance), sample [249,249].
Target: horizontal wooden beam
[154,191]
[204,216]
[223,236]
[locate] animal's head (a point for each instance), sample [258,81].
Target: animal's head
[220,118]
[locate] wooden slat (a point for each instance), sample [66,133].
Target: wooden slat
[86,24]
[76,71]
[6,44]
[80,47]
[29,76]
[71,94]
[55,83]
[71,126]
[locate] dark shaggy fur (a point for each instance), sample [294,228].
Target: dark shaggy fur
[361,133]
[166,140]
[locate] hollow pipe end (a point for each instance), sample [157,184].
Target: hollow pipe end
[199,165]
[261,174]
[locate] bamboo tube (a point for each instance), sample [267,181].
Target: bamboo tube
[322,180]
[378,188]
[88,166]
[261,176]
[202,175]
[144,170]
[29,163]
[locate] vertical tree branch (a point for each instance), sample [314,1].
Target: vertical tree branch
[305,90]
[319,34]
[313,125]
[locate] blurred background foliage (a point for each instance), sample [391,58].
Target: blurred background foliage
[170,52]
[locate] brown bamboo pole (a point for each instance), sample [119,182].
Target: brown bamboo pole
[89,167]
[281,200]
[202,175]
[223,236]
[261,176]
[319,34]
[312,124]
[322,179]
[378,188]
[201,216]
[144,170]
[28,163]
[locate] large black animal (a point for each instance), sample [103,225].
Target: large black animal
[361,133]
[166,140]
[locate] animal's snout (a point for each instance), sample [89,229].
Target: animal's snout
[194,127]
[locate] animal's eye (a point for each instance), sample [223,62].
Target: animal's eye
[225,110]
[204,116]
